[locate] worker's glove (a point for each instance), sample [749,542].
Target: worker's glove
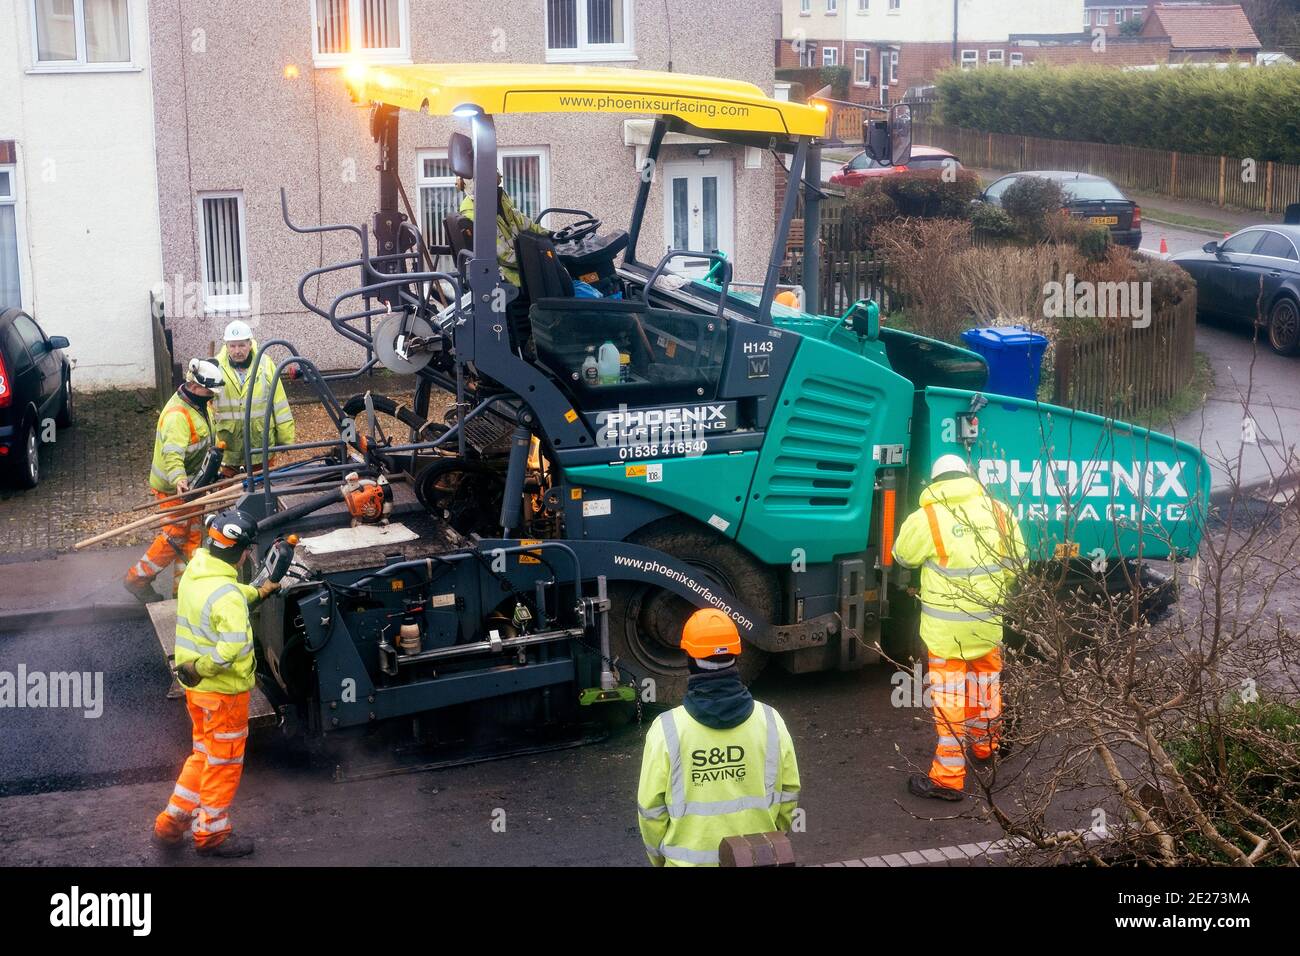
[188,674]
[266,589]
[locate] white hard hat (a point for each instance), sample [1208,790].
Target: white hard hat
[946,463]
[205,372]
[237,331]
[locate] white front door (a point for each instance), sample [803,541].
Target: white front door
[698,211]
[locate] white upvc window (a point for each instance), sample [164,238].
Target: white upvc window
[1087,18]
[598,30]
[525,176]
[864,6]
[1119,17]
[1017,60]
[895,5]
[11,287]
[830,55]
[805,8]
[997,57]
[862,67]
[224,252]
[893,66]
[1103,18]
[832,7]
[80,35]
[376,31]
[970,59]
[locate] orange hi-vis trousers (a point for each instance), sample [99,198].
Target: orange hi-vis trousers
[210,777]
[175,543]
[967,701]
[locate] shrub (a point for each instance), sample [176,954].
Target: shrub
[837,78]
[1030,201]
[926,194]
[923,194]
[924,256]
[991,221]
[1089,238]
[1240,113]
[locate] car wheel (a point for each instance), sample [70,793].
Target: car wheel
[66,418]
[1284,327]
[25,462]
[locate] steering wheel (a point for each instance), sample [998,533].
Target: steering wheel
[576,231]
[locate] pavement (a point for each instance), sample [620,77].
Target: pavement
[1247,427]
[70,588]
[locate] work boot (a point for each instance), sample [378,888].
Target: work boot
[168,845]
[999,753]
[231,846]
[923,786]
[142,590]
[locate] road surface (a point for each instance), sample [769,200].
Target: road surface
[567,807]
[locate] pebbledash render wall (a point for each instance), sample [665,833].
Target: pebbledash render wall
[231,117]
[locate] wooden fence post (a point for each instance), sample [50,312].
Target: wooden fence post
[1268,189]
[1173,174]
[1223,179]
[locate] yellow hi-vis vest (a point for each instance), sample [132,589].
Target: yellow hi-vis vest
[178,444]
[700,785]
[966,545]
[213,627]
[510,223]
[228,406]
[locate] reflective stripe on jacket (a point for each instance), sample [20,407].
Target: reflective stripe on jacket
[212,625]
[179,443]
[700,784]
[228,406]
[966,545]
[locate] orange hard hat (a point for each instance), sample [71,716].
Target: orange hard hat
[788,298]
[709,633]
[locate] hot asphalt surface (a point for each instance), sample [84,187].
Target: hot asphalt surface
[565,807]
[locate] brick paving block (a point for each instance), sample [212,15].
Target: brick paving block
[933,856]
[912,857]
[893,859]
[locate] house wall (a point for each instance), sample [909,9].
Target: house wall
[919,21]
[87,200]
[229,119]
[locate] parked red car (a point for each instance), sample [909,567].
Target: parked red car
[862,167]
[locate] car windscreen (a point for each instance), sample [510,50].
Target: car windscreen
[1090,190]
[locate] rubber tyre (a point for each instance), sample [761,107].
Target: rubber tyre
[474,505]
[66,417]
[423,428]
[25,459]
[645,622]
[1284,327]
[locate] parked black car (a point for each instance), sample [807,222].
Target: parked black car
[1089,197]
[1254,273]
[35,386]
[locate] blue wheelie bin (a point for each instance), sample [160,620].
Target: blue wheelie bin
[1014,356]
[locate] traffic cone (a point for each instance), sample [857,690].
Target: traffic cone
[1164,246]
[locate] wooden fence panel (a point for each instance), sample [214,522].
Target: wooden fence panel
[1221,180]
